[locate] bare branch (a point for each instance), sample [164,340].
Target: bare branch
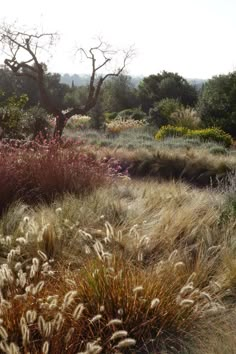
[30,44]
[24,42]
[128,55]
[82,50]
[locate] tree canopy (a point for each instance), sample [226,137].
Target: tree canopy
[119,93]
[217,103]
[166,85]
[18,44]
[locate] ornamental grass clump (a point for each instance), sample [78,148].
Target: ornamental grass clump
[186,117]
[110,303]
[121,124]
[160,278]
[79,122]
[194,169]
[45,172]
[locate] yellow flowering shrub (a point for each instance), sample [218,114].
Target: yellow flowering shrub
[209,134]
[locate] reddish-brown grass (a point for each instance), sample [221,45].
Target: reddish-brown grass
[41,174]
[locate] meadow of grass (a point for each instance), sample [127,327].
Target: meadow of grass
[119,263]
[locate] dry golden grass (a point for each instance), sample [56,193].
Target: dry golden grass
[163,275]
[170,215]
[105,302]
[191,152]
[214,336]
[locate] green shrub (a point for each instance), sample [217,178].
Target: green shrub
[110,115]
[170,131]
[132,113]
[16,122]
[210,134]
[161,113]
[11,112]
[216,103]
[34,122]
[194,170]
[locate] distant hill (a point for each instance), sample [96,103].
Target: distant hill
[83,79]
[77,80]
[197,83]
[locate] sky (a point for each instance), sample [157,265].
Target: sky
[195,38]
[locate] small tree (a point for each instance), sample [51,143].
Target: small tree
[217,103]
[23,48]
[119,93]
[166,85]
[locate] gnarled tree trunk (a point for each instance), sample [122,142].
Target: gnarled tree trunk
[21,42]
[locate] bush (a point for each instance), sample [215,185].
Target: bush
[18,123]
[11,112]
[35,121]
[110,116]
[132,113]
[192,169]
[160,114]
[166,85]
[210,134]
[170,131]
[36,172]
[217,102]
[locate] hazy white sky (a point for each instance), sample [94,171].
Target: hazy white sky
[195,38]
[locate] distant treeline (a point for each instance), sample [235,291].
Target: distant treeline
[155,96]
[83,79]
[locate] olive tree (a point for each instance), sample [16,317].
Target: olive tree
[23,51]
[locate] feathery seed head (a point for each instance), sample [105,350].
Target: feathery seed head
[154,303]
[96,318]
[118,334]
[128,342]
[115,321]
[137,289]
[45,348]
[186,302]
[78,311]
[3,333]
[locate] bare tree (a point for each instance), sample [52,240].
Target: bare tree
[22,50]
